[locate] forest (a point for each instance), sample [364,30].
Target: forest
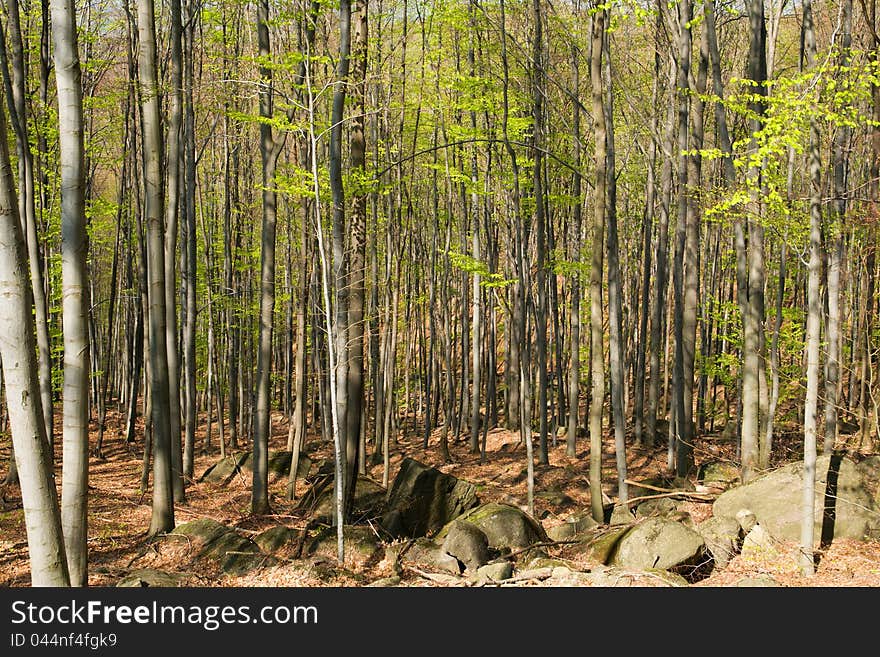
[454,293]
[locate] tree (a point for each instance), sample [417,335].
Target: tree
[18,354]
[814,315]
[597,354]
[74,247]
[163,496]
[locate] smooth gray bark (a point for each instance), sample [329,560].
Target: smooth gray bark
[74,248]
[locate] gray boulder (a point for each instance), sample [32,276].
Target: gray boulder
[360,544]
[573,526]
[467,543]
[422,500]
[427,554]
[369,499]
[493,572]
[775,499]
[661,544]
[226,469]
[718,474]
[506,526]
[660,506]
[722,537]
[278,539]
[621,515]
[151,577]
[235,554]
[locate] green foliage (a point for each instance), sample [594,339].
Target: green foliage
[470,265]
[830,96]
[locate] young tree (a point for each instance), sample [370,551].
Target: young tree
[163,496]
[597,353]
[74,246]
[18,353]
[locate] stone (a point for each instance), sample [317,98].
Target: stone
[225,470]
[722,537]
[759,580]
[423,499]
[427,554]
[506,526]
[554,498]
[394,580]
[621,515]
[576,524]
[278,539]
[775,499]
[236,554]
[661,506]
[152,578]
[369,499]
[467,543]
[758,540]
[718,474]
[360,544]
[661,544]
[545,562]
[745,519]
[493,572]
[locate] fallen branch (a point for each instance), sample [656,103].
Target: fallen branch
[668,492]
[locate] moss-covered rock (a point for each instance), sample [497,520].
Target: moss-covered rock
[153,578]
[662,544]
[722,537]
[369,500]
[661,506]
[278,539]
[467,543]
[226,469]
[360,544]
[236,554]
[600,544]
[423,499]
[506,526]
[718,474]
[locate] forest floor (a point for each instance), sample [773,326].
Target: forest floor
[119,514]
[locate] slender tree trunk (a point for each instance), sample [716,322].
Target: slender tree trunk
[357,231]
[74,246]
[20,377]
[163,495]
[270,149]
[597,357]
[615,290]
[814,316]
[190,271]
[836,252]
[17,102]
[576,230]
[173,166]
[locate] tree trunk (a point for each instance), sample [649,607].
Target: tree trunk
[173,166]
[814,317]
[163,496]
[597,357]
[615,291]
[20,376]
[74,247]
